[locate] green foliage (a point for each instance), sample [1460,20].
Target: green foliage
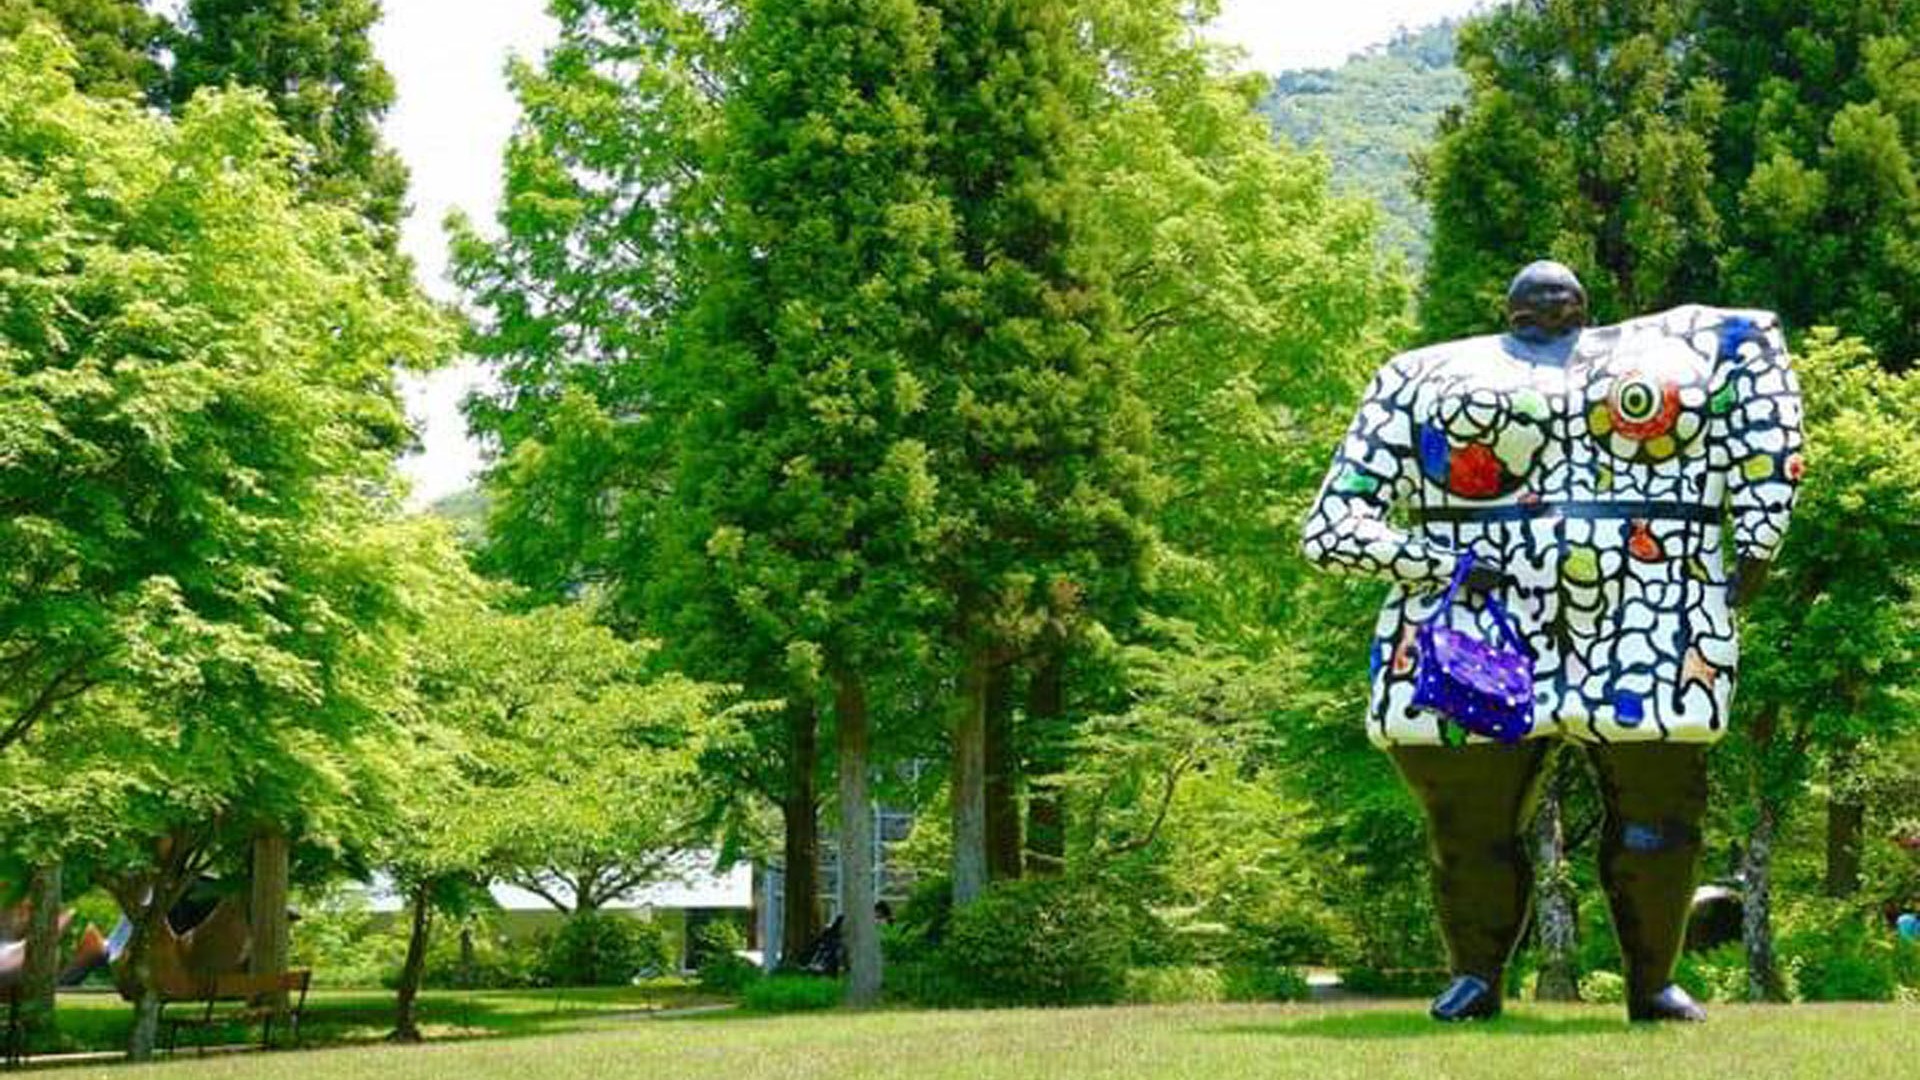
[340,941]
[1254,981]
[549,709]
[208,601]
[1372,117]
[314,60]
[792,994]
[1840,620]
[1716,975]
[1603,988]
[1394,982]
[1039,942]
[1837,952]
[117,42]
[728,973]
[1587,137]
[604,949]
[346,946]
[1174,986]
[1753,154]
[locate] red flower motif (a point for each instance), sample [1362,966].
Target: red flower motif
[1474,472]
[1796,468]
[1643,546]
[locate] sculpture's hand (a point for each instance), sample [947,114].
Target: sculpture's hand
[1748,580]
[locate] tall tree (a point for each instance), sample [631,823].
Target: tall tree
[198,393]
[1037,434]
[314,59]
[802,498]
[1746,152]
[1815,162]
[1586,137]
[1840,624]
[118,42]
[196,377]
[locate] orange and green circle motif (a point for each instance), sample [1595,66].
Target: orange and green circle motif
[1644,418]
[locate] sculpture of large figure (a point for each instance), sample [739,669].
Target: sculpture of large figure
[1590,474]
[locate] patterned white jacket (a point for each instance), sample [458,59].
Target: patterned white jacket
[1601,477]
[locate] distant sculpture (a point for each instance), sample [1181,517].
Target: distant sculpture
[1581,479]
[89,953]
[203,937]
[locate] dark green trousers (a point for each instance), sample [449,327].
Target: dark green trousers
[1479,802]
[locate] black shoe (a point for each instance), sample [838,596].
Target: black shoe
[1671,1004]
[1469,997]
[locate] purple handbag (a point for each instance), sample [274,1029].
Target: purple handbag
[1485,688]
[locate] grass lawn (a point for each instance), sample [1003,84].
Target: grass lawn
[99,1021]
[1214,1043]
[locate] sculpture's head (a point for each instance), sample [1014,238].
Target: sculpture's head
[1546,301]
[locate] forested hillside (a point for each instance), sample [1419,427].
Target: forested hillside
[1371,115]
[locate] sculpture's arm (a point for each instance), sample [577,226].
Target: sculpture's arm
[1757,406]
[1349,529]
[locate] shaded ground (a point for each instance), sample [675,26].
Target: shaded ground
[1215,1043]
[100,1021]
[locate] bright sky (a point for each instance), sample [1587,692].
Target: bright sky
[454,114]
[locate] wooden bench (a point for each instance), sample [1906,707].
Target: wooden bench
[256,999]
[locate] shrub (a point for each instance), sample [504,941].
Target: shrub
[1396,982]
[921,922]
[1718,974]
[497,962]
[603,949]
[716,950]
[1838,953]
[1906,965]
[1603,988]
[1260,982]
[793,993]
[338,939]
[1175,986]
[713,939]
[1050,941]
[925,983]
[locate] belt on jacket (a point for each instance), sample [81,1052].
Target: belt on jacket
[1590,510]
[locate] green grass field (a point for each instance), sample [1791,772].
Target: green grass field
[1215,1043]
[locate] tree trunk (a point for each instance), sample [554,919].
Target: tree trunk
[146,1002]
[42,974]
[1002,782]
[1557,918]
[1846,822]
[800,897]
[1046,814]
[1763,977]
[969,795]
[272,859]
[466,955]
[860,928]
[406,1021]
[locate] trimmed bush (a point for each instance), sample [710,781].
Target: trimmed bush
[925,983]
[1396,983]
[602,949]
[1049,941]
[793,993]
[1260,982]
[1175,986]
